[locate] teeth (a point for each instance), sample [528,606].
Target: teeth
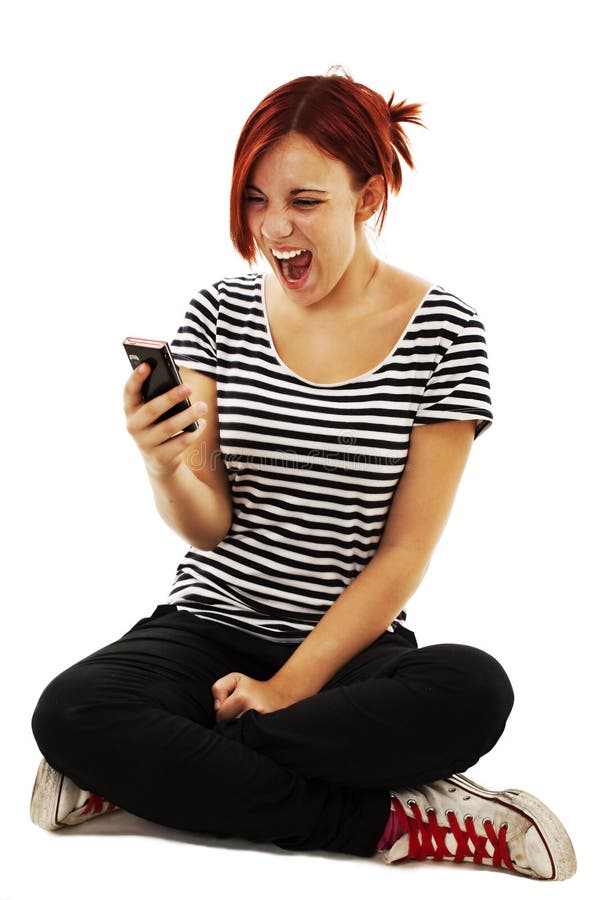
[286,254]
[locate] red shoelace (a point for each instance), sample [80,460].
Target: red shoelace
[427,838]
[95,805]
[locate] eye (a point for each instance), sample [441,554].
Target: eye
[305,203]
[253,198]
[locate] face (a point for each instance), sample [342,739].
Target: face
[306,218]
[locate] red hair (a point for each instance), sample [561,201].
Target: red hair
[345,119]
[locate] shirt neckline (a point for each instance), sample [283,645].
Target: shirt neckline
[262,276]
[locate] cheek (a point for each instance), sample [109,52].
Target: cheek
[252,222]
[343,241]
[336,235]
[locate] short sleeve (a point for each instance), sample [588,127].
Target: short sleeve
[195,344]
[459,386]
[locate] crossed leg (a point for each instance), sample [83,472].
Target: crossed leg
[135,723]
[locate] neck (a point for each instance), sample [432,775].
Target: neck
[353,294]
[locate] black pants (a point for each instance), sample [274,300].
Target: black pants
[135,723]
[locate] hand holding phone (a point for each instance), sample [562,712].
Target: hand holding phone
[164,373]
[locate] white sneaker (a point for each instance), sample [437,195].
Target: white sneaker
[459,820]
[57,801]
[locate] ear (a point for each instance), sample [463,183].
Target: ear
[370,198]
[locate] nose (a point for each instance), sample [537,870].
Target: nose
[275,224]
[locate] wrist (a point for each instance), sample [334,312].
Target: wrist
[161,473]
[289,688]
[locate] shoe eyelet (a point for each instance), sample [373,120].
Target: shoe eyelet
[468,797]
[451,790]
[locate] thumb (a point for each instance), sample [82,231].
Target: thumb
[223,687]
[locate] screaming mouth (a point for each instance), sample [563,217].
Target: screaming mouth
[294,264]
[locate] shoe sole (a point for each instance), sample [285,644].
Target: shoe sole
[45,797]
[552,831]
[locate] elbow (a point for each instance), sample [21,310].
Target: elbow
[405,557]
[221,526]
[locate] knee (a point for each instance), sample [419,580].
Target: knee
[484,686]
[468,682]
[56,718]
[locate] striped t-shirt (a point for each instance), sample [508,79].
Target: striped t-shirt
[313,467]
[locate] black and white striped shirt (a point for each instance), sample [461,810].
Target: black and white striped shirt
[313,467]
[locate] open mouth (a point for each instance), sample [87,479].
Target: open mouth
[294,265]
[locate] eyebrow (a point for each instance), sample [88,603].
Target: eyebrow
[252,187]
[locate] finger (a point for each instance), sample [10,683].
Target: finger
[147,412]
[223,687]
[164,402]
[232,708]
[160,432]
[165,458]
[132,395]
[149,433]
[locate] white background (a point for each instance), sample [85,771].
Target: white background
[119,121]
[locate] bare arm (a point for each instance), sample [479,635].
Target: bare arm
[186,471]
[198,513]
[419,512]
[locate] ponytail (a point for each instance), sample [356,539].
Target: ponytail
[399,113]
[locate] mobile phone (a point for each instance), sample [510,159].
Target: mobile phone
[163,376]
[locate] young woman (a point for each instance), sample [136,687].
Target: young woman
[277,695]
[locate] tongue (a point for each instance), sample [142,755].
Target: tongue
[295,268]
